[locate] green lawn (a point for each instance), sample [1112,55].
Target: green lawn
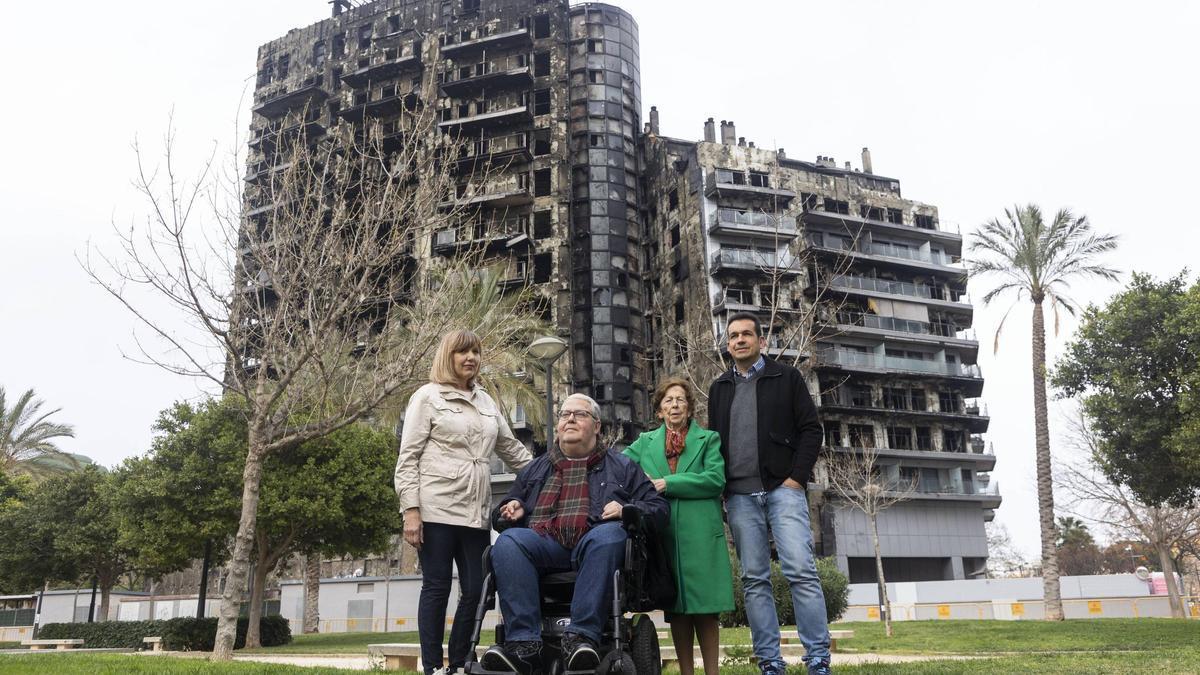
[1164,662]
[976,637]
[911,637]
[122,664]
[1080,646]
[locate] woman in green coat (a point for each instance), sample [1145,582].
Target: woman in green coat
[684,463]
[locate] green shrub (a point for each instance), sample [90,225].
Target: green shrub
[836,587]
[103,634]
[834,584]
[199,635]
[182,634]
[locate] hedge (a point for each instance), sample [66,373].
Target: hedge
[834,584]
[182,634]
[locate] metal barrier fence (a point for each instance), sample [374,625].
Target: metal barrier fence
[1077,608]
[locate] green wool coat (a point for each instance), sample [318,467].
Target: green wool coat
[697,547]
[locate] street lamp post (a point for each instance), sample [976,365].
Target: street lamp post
[547,350]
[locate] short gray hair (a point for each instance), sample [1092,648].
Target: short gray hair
[590,401]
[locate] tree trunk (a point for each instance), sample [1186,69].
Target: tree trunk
[106,592]
[883,595]
[202,596]
[235,585]
[258,591]
[1168,568]
[92,601]
[1045,483]
[312,592]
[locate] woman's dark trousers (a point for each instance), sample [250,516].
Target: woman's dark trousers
[443,545]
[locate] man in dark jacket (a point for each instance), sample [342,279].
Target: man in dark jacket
[770,437]
[564,512]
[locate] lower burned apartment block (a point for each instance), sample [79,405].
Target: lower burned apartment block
[865,292]
[638,247]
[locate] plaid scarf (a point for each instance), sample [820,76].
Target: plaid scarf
[562,507]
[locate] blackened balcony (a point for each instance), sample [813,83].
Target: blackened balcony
[902,408]
[763,262]
[456,45]
[723,184]
[754,224]
[387,102]
[497,113]
[980,461]
[271,137]
[500,150]
[874,363]
[510,191]
[858,223]
[275,105]
[510,71]
[392,64]
[487,235]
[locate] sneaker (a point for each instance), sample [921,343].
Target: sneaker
[523,658]
[820,667]
[579,653]
[772,668]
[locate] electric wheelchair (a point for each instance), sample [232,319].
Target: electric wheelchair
[629,645]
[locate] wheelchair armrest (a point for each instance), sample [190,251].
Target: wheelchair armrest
[632,518]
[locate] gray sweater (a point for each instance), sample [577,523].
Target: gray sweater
[744,476]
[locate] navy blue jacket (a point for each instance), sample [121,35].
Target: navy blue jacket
[615,478]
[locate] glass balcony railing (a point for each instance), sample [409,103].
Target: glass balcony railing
[767,260]
[896,288]
[907,253]
[852,359]
[768,221]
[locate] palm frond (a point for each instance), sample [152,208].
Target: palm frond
[1000,328]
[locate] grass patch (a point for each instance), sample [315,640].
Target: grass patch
[982,637]
[1168,662]
[123,664]
[346,643]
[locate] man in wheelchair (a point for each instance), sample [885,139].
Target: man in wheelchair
[564,512]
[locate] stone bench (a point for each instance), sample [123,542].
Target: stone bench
[396,656]
[154,644]
[36,645]
[834,636]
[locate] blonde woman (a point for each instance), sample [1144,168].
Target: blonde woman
[451,429]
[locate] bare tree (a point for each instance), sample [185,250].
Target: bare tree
[1164,527]
[1004,560]
[861,482]
[304,290]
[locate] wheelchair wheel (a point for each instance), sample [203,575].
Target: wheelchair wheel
[616,663]
[643,646]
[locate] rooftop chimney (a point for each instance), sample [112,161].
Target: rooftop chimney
[339,6]
[710,132]
[847,166]
[867,161]
[781,154]
[728,134]
[741,141]
[654,120]
[751,144]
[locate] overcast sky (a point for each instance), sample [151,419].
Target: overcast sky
[1087,105]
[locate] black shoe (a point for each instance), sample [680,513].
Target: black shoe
[820,667]
[523,658]
[579,653]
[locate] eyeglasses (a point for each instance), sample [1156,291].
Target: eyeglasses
[566,415]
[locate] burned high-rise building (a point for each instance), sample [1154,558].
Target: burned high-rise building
[547,97]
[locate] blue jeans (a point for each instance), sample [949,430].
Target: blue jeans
[753,519]
[521,556]
[445,545]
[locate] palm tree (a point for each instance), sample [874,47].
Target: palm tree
[1037,260]
[1072,530]
[26,438]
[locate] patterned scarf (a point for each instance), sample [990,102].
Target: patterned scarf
[675,440]
[562,507]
